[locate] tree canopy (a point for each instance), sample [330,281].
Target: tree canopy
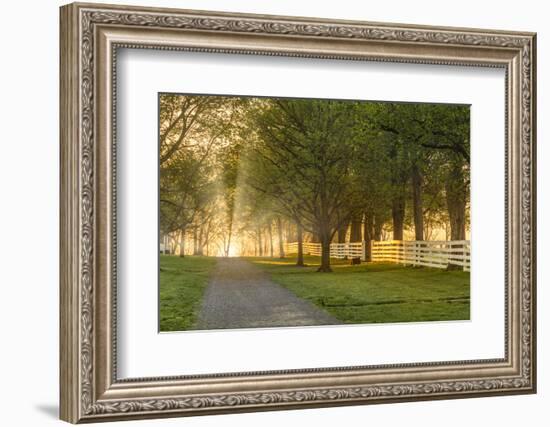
[238,175]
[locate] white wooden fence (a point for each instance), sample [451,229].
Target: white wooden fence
[435,254]
[337,250]
[165,246]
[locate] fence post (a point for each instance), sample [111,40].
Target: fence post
[463,256]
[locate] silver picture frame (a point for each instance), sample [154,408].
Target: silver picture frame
[90,37]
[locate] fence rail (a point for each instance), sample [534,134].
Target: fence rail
[337,250]
[435,254]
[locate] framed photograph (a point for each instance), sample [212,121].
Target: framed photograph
[264,212]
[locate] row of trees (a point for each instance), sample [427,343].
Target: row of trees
[239,172]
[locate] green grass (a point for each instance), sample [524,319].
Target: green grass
[375,292]
[182,285]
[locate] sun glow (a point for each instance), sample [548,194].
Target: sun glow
[235,250]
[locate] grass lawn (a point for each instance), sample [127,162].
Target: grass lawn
[377,292]
[182,285]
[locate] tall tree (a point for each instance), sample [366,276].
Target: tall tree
[420,130]
[279,224]
[192,129]
[303,151]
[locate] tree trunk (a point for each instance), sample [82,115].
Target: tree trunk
[182,243]
[355,231]
[200,241]
[270,233]
[456,195]
[457,215]
[229,217]
[300,239]
[418,209]
[325,253]
[378,226]
[325,235]
[228,247]
[342,232]
[280,232]
[398,216]
[195,241]
[290,233]
[260,246]
[368,233]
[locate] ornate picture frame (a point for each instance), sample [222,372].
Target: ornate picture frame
[90,37]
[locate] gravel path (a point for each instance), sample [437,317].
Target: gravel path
[241,295]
